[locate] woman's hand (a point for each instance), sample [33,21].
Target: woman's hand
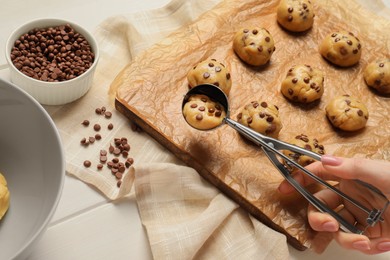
[376,239]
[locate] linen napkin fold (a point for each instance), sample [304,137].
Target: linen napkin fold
[187,218]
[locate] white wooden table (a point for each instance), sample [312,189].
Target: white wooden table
[86,225]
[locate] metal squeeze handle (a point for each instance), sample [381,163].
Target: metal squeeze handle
[271,151]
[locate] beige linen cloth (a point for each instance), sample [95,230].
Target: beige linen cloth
[185,217]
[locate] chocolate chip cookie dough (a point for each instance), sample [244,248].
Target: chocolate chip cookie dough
[210,71]
[377,75]
[203,113]
[310,144]
[295,15]
[261,117]
[4,196]
[254,46]
[303,84]
[341,48]
[347,113]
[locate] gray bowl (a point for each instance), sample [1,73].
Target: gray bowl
[32,161]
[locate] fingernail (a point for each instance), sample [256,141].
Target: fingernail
[361,245]
[384,246]
[330,226]
[331,160]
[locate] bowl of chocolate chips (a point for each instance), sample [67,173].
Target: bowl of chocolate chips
[53,60]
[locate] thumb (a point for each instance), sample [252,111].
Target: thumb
[374,172]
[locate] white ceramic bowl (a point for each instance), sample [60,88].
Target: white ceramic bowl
[52,93]
[32,161]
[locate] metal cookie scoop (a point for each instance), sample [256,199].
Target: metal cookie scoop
[272,148]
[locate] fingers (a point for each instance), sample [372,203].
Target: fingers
[374,172]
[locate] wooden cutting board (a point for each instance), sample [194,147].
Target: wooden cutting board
[150,92]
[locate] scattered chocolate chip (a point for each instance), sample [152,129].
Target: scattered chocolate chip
[294,80]
[110,126]
[96,127]
[255,31]
[87,163]
[206,75]
[267,39]
[306,80]
[289,18]
[290,9]
[381,65]
[85,123]
[98,137]
[199,117]
[360,112]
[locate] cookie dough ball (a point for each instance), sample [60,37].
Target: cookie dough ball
[203,113]
[295,15]
[261,117]
[347,113]
[210,71]
[377,76]
[341,48]
[254,46]
[303,84]
[4,196]
[307,143]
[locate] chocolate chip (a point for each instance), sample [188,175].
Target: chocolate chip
[211,64]
[194,105]
[381,65]
[107,114]
[239,116]
[255,31]
[343,51]
[289,18]
[245,30]
[110,126]
[261,114]
[206,75]
[306,80]
[211,110]
[85,123]
[227,76]
[91,139]
[264,104]
[96,127]
[294,80]
[99,166]
[218,69]
[360,112]
[355,51]
[267,39]
[334,34]
[349,42]
[87,163]
[202,108]
[290,9]
[260,48]
[290,91]
[304,6]
[199,117]
[98,137]
[255,104]
[337,39]
[249,120]
[218,113]
[270,119]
